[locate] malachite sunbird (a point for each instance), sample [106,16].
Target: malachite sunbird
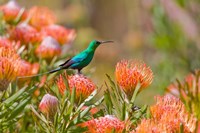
[79,61]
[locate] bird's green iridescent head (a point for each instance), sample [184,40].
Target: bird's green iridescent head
[94,44]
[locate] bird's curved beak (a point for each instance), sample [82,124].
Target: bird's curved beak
[107,42]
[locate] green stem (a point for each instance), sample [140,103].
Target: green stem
[134,96]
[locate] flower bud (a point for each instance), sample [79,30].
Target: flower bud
[25,34]
[49,105]
[11,11]
[41,16]
[48,48]
[60,33]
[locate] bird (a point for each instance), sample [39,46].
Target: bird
[79,61]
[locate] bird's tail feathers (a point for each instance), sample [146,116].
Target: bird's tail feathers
[49,72]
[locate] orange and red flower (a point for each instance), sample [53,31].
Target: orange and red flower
[9,66]
[131,72]
[41,16]
[49,105]
[84,86]
[150,126]
[188,91]
[25,34]
[27,69]
[48,48]
[60,33]
[5,42]
[167,116]
[12,10]
[106,124]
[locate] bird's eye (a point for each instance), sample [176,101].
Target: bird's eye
[98,42]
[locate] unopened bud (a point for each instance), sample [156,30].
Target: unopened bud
[49,105]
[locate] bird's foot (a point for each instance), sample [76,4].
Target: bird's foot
[79,72]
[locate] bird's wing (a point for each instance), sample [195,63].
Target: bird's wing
[64,62]
[76,59]
[80,57]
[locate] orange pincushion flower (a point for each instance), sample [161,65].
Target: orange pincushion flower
[131,72]
[49,105]
[150,126]
[4,42]
[171,112]
[60,33]
[11,10]
[9,66]
[41,16]
[25,33]
[188,91]
[84,86]
[191,81]
[48,48]
[27,69]
[105,124]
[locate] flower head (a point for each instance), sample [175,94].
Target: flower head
[188,91]
[106,124]
[131,72]
[84,86]
[49,105]
[25,34]
[27,69]
[171,112]
[41,16]
[11,10]
[60,33]
[48,48]
[9,66]
[150,126]
[5,42]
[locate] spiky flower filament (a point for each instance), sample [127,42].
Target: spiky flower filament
[129,73]
[83,85]
[9,66]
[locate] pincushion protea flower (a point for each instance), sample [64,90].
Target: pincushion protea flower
[106,124]
[131,72]
[5,42]
[48,48]
[11,10]
[41,16]
[167,116]
[150,126]
[25,34]
[49,105]
[84,86]
[60,33]
[9,66]
[27,69]
[188,91]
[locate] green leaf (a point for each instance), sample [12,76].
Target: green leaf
[108,102]
[73,96]
[15,96]
[81,115]
[19,108]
